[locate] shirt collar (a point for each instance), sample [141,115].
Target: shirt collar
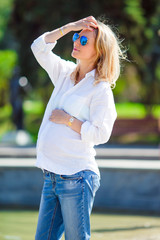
[91,73]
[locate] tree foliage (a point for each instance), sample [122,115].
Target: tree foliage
[8,57]
[136,20]
[5,10]
[8,60]
[142,23]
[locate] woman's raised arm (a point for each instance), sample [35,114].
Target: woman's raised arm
[85,23]
[43,45]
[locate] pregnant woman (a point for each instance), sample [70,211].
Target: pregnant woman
[80,114]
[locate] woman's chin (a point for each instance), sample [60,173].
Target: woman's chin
[74,55]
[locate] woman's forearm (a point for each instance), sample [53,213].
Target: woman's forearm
[56,34]
[85,23]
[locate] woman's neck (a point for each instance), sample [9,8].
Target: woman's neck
[84,69]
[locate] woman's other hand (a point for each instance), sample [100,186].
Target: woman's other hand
[62,117]
[85,23]
[59,116]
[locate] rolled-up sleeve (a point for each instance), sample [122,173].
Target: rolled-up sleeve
[52,63]
[102,117]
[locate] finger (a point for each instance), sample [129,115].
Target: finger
[92,24]
[92,19]
[89,28]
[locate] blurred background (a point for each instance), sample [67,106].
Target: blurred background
[22,81]
[129,162]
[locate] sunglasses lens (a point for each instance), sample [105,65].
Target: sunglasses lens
[75,37]
[83,40]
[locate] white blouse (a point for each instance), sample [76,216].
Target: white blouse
[59,148]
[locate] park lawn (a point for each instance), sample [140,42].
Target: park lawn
[133,110]
[34,110]
[21,225]
[124,110]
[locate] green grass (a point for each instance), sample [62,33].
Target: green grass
[21,225]
[135,110]
[33,107]
[130,110]
[124,110]
[33,114]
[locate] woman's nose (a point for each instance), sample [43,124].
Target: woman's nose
[77,42]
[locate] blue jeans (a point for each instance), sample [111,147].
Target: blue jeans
[66,204]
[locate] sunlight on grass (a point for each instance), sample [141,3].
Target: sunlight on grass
[130,110]
[135,110]
[124,110]
[21,225]
[30,107]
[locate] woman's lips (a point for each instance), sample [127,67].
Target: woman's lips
[75,49]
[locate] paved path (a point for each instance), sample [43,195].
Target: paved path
[116,152]
[119,164]
[109,157]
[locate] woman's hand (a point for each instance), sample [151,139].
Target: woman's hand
[85,23]
[59,116]
[62,117]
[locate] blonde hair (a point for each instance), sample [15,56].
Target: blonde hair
[109,54]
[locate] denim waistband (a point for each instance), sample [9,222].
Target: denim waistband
[82,172]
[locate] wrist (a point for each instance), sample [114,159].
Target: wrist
[68,27]
[67,119]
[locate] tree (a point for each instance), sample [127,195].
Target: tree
[137,21]
[8,57]
[142,24]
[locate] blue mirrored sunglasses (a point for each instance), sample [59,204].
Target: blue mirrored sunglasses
[83,39]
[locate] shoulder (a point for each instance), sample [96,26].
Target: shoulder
[102,88]
[102,94]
